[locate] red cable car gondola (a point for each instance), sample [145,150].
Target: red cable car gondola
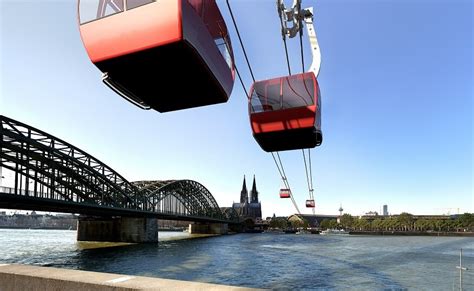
[285,193]
[310,203]
[285,112]
[166,55]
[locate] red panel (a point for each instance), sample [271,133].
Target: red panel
[211,16]
[295,118]
[285,193]
[141,28]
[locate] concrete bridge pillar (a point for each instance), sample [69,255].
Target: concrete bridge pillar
[208,228]
[117,229]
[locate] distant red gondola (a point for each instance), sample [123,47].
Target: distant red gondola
[285,113]
[166,55]
[285,193]
[310,203]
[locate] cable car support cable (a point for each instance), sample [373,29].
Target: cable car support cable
[240,40]
[285,179]
[241,81]
[280,7]
[309,178]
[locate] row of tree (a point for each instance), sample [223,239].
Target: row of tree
[403,222]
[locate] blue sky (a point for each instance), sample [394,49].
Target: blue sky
[396,82]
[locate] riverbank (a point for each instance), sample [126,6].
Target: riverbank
[414,233]
[22,277]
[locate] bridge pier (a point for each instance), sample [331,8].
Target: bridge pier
[117,229]
[208,228]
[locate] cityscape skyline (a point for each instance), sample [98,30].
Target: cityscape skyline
[382,211]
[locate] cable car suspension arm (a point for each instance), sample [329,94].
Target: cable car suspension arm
[296,16]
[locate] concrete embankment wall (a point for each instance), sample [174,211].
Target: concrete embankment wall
[117,229]
[33,278]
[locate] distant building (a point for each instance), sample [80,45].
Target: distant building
[37,221]
[385,210]
[372,213]
[340,214]
[249,207]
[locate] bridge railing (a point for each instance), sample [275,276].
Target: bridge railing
[29,193]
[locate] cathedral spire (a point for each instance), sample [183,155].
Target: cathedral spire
[244,196]
[254,192]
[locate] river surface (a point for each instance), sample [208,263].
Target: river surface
[268,260]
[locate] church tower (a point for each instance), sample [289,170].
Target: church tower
[254,192]
[244,195]
[249,207]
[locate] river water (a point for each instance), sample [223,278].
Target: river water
[268,260]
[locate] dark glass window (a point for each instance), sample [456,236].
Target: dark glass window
[136,3]
[318,111]
[283,93]
[224,49]
[90,10]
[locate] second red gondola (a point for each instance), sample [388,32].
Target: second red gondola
[285,193]
[285,112]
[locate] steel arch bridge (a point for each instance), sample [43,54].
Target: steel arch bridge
[53,175]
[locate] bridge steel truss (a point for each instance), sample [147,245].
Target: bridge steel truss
[53,175]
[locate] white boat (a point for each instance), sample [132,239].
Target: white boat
[303,231]
[334,231]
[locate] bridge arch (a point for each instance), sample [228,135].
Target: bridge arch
[50,169]
[186,197]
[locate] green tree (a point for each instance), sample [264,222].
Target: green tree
[450,225]
[422,224]
[325,224]
[405,221]
[363,224]
[332,224]
[377,224]
[297,223]
[280,223]
[466,221]
[347,220]
[305,224]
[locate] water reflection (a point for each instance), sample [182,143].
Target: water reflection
[262,260]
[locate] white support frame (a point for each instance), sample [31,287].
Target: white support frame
[313,41]
[295,16]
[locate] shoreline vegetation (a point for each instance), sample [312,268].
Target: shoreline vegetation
[404,224]
[414,233]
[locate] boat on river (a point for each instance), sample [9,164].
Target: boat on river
[303,231]
[334,232]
